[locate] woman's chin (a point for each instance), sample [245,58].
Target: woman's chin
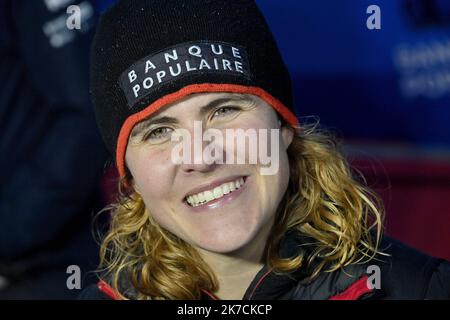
[224,244]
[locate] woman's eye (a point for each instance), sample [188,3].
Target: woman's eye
[159,133]
[225,111]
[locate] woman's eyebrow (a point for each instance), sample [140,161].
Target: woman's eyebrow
[203,111]
[141,126]
[215,103]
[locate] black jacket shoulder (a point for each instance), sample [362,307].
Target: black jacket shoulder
[92,292]
[404,274]
[409,274]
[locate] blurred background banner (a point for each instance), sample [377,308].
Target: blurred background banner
[386,92]
[391,84]
[52,157]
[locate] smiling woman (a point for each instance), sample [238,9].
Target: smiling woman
[205,229]
[231,237]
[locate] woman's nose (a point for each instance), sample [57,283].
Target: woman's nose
[202,156]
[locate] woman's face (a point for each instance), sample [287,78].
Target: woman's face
[204,202]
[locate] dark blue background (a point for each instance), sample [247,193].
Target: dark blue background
[345,73]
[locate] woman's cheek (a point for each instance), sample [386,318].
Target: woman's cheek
[153,174]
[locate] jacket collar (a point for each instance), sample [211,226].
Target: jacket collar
[347,283]
[269,285]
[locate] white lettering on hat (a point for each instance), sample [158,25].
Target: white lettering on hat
[213,48]
[216,64]
[200,57]
[227,65]
[173,73]
[188,67]
[136,89]
[147,83]
[160,74]
[149,65]
[195,51]
[204,64]
[238,66]
[132,76]
[174,56]
[236,53]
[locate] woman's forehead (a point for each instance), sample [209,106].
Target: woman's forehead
[202,99]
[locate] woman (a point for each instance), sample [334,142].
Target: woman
[194,224]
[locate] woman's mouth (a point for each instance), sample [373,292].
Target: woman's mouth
[224,191]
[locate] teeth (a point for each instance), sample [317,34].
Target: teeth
[209,196]
[216,193]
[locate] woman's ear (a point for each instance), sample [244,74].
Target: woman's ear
[287,134]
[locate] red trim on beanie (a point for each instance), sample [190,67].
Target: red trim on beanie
[132,120]
[355,291]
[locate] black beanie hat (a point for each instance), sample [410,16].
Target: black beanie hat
[148,53]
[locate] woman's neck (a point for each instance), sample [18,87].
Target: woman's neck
[236,270]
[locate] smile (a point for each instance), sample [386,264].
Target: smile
[222,190]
